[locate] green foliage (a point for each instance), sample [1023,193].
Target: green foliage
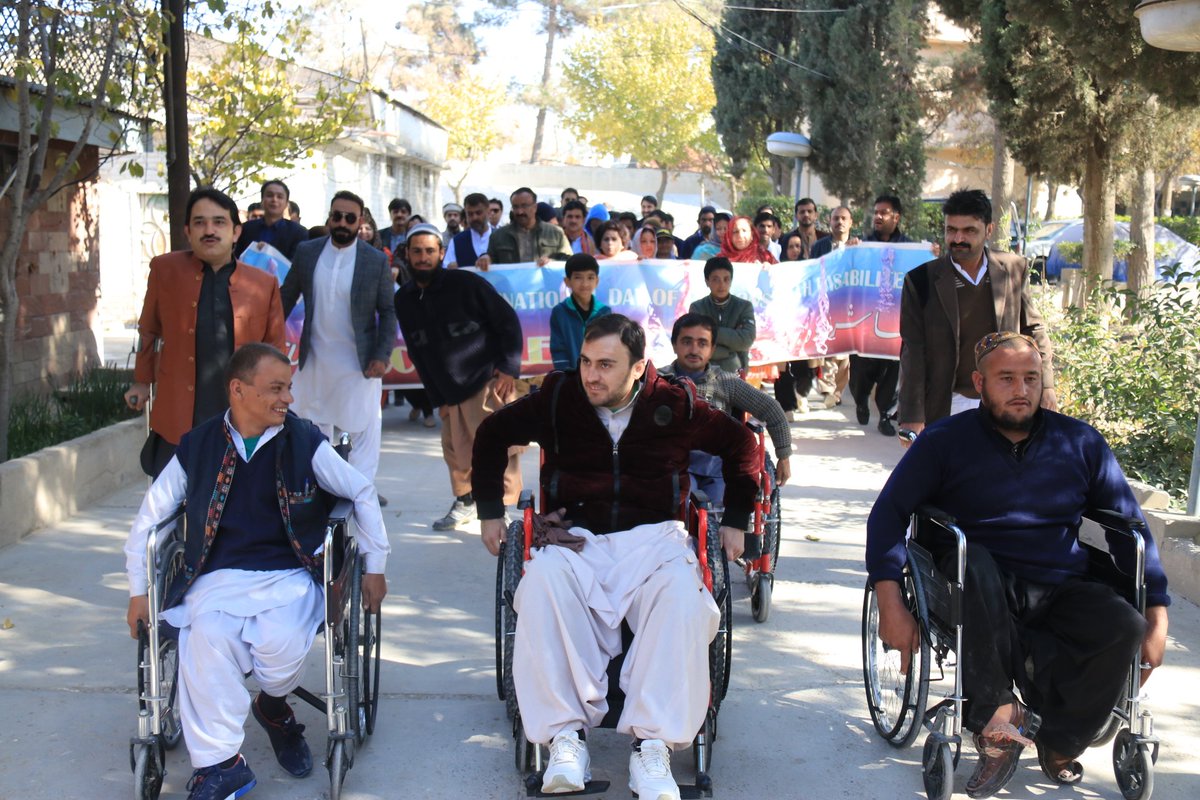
[927,224]
[642,92]
[92,401]
[254,114]
[865,118]
[1187,227]
[756,93]
[1072,252]
[1129,367]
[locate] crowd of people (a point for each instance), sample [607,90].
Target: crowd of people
[246,445]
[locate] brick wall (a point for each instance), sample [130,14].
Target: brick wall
[58,277]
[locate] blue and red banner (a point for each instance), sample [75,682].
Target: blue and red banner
[845,302]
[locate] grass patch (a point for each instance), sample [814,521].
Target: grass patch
[91,401]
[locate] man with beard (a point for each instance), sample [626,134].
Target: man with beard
[527,239]
[349,331]
[616,439]
[704,226]
[1017,478]
[399,210]
[949,303]
[465,341]
[469,248]
[452,213]
[806,226]
[201,305]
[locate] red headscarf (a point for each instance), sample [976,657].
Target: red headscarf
[754,253]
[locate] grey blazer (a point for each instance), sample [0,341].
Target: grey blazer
[929,330]
[372,310]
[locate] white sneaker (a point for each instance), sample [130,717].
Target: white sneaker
[802,405]
[569,767]
[790,416]
[650,772]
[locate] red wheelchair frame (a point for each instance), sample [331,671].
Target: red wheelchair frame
[695,508]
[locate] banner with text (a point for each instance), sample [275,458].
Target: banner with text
[845,302]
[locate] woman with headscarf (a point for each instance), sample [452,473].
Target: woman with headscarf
[741,243]
[645,242]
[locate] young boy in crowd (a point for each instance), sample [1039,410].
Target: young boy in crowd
[571,316]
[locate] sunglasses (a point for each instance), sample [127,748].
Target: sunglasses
[349,216]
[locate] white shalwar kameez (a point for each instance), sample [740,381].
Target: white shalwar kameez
[330,389]
[570,607]
[233,621]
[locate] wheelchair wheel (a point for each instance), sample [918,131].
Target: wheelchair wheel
[760,596]
[511,564]
[721,649]
[148,771]
[1109,730]
[937,768]
[352,637]
[369,648]
[1133,765]
[168,653]
[895,700]
[500,620]
[338,767]
[773,526]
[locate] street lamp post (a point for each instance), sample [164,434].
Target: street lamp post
[791,145]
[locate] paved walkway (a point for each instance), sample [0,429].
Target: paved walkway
[793,726]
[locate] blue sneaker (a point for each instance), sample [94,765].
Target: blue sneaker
[214,783]
[287,740]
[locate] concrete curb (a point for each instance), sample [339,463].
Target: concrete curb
[42,488]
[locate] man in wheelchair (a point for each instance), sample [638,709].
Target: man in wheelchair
[257,483]
[616,439]
[1017,478]
[693,337]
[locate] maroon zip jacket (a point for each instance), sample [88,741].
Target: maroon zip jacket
[606,487]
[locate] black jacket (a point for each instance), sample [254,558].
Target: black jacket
[458,331]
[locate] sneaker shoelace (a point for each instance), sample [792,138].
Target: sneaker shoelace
[199,777]
[565,749]
[656,761]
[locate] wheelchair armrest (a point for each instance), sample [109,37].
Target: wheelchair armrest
[700,499]
[934,513]
[1112,520]
[755,426]
[342,511]
[525,500]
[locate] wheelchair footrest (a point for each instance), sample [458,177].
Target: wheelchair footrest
[533,788]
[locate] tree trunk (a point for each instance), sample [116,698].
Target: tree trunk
[662,185]
[1167,192]
[1051,200]
[1141,231]
[1003,169]
[1099,197]
[551,33]
[175,108]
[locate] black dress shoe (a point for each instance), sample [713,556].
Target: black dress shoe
[886,427]
[864,414]
[287,740]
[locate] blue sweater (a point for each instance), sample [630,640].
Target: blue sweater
[1025,512]
[566,331]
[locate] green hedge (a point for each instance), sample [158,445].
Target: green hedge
[91,401]
[1129,367]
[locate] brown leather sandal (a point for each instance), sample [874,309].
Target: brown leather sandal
[1060,769]
[1000,749]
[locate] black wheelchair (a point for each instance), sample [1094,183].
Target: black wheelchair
[530,758]
[352,637]
[898,702]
